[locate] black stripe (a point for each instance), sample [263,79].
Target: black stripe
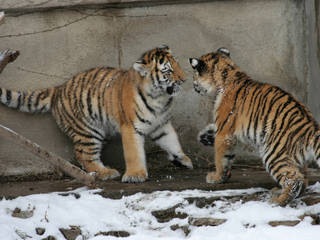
[159,136]
[88,153]
[19,100]
[138,131]
[8,94]
[278,168]
[145,101]
[142,119]
[89,105]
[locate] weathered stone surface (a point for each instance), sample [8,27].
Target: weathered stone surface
[70,234]
[18,213]
[311,200]
[114,234]
[168,214]
[40,231]
[290,223]
[198,222]
[184,228]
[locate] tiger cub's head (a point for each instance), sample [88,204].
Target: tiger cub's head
[159,67]
[211,70]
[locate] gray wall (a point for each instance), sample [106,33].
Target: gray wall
[275,41]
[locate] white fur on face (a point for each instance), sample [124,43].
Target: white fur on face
[194,62]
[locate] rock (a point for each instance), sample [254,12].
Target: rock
[22,214]
[72,233]
[40,231]
[184,228]
[168,214]
[198,222]
[290,223]
[114,234]
[22,235]
[76,195]
[202,202]
[315,218]
[309,201]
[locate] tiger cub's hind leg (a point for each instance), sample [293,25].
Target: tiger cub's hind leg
[291,180]
[88,154]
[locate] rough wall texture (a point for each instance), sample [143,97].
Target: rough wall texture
[275,41]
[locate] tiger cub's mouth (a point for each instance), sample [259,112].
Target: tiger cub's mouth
[173,89]
[199,89]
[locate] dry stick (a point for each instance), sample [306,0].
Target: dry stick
[55,160]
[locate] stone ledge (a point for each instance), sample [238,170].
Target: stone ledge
[18,6]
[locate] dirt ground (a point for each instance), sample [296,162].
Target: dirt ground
[168,177]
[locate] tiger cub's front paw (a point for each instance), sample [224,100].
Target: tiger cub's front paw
[135,176]
[207,135]
[185,161]
[213,177]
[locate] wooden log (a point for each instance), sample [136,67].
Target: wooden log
[63,165]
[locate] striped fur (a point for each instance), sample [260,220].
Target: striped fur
[103,101]
[280,127]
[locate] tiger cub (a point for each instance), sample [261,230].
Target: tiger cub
[280,127]
[103,101]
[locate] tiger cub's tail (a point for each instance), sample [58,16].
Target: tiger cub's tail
[28,101]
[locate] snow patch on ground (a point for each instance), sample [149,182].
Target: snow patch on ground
[93,214]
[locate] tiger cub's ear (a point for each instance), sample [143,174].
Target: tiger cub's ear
[165,48]
[140,67]
[224,51]
[194,62]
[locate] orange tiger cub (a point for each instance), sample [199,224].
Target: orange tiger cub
[103,101]
[280,127]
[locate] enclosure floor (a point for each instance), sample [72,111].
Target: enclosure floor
[169,178]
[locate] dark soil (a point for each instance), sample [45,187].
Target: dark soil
[166,178]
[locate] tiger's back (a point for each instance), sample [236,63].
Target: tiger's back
[280,127]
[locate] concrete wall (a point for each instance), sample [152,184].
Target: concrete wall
[275,41]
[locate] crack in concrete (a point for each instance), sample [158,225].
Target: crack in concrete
[86,15]
[44,31]
[41,73]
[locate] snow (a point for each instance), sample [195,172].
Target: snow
[94,214]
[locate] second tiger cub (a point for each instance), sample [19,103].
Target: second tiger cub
[280,127]
[102,101]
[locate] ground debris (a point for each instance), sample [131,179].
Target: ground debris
[310,200]
[18,213]
[72,233]
[184,228]
[199,222]
[76,195]
[315,218]
[40,231]
[113,233]
[289,223]
[22,235]
[202,202]
[168,214]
